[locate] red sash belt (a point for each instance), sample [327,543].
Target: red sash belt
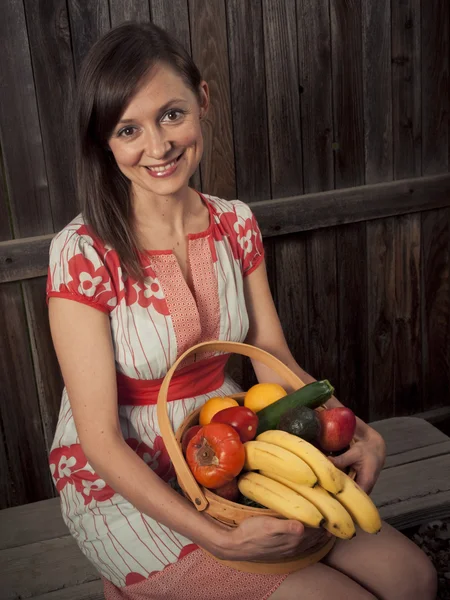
[198,378]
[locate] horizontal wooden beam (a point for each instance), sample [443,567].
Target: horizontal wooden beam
[24,258]
[28,257]
[350,205]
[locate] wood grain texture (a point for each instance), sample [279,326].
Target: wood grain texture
[43,567]
[351,251]
[314,58]
[435,86]
[88,22]
[50,46]
[377,86]
[210,53]
[20,134]
[28,470]
[435,307]
[31,523]
[248,99]
[407,142]
[381,318]
[129,10]
[5,225]
[352,299]
[283,98]
[323,306]
[24,258]
[86,591]
[172,16]
[407,343]
[347,92]
[406,89]
[292,298]
[48,377]
[376,44]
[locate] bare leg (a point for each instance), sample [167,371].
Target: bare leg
[388,564]
[320,582]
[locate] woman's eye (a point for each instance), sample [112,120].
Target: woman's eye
[173,115]
[127,132]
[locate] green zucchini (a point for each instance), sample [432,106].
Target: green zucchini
[311,395]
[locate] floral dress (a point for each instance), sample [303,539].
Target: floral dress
[152,324]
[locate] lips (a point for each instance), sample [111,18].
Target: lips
[163,170]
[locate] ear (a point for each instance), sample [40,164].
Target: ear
[204,99]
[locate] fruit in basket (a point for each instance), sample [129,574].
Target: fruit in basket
[338,520]
[302,422]
[263,394]
[188,435]
[337,428]
[241,418]
[229,491]
[328,475]
[215,455]
[213,406]
[311,395]
[278,497]
[271,458]
[361,508]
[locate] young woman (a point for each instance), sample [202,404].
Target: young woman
[150,268]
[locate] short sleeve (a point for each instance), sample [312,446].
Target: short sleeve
[77,272]
[249,241]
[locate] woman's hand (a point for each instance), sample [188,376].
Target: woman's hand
[268,538]
[366,457]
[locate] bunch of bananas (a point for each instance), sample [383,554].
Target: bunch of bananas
[298,481]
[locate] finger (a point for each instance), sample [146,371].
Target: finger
[365,480]
[293,527]
[347,459]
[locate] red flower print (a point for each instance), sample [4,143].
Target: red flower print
[92,487]
[147,293]
[89,281]
[135,578]
[228,222]
[64,462]
[157,458]
[187,550]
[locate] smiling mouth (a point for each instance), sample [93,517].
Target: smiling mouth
[164,168]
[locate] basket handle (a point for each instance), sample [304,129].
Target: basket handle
[184,474]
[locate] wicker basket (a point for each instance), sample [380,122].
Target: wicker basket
[230,513]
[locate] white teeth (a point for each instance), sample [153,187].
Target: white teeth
[162,169]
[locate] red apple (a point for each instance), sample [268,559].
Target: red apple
[337,428]
[229,491]
[188,435]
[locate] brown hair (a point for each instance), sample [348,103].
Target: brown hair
[110,76]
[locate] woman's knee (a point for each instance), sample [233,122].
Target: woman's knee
[421,581]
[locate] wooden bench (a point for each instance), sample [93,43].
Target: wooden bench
[39,560]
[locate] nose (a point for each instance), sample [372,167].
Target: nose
[156,144]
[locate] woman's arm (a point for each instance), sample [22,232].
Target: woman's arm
[265,332]
[82,339]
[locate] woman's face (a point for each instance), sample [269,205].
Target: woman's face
[158,141]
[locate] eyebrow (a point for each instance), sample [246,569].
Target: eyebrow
[161,110]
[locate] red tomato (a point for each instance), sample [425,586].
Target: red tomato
[188,435]
[215,455]
[241,418]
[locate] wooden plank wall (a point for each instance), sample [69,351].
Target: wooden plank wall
[320,105]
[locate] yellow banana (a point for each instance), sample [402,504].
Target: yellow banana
[360,506]
[259,455]
[329,476]
[338,521]
[279,498]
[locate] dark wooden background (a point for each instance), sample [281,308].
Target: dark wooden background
[330,116]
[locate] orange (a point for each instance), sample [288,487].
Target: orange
[262,394]
[213,406]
